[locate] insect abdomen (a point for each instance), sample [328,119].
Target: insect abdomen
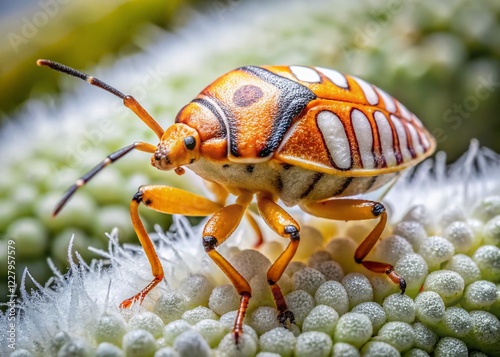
[359,129]
[292,184]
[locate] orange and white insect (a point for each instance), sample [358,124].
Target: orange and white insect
[307,136]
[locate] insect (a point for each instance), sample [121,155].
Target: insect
[307,136]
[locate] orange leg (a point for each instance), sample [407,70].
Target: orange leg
[221,195]
[218,228]
[350,210]
[219,192]
[284,225]
[256,228]
[168,200]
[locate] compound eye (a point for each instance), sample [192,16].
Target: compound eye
[190,142]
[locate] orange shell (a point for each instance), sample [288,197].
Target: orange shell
[312,117]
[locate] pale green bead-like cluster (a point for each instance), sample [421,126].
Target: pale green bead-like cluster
[339,308]
[413,50]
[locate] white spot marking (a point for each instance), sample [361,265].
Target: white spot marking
[390,105]
[403,141]
[417,121]
[425,141]
[305,74]
[364,136]
[335,76]
[386,139]
[333,132]
[415,140]
[370,94]
[405,113]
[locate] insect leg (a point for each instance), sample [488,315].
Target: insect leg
[221,195]
[284,225]
[256,228]
[355,209]
[138,145]
[168,200]
[218,228]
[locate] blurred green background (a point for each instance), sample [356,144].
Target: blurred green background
[81,34]
[442,60]
[76,32]
[448,45]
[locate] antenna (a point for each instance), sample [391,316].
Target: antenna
[129,101]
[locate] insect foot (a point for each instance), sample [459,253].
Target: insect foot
[286,318]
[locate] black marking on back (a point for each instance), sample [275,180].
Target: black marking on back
[317,176]
[347,182]
[287,166]
[225,166]
[249,168]
[294,97]
[211,107]
[279,183]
